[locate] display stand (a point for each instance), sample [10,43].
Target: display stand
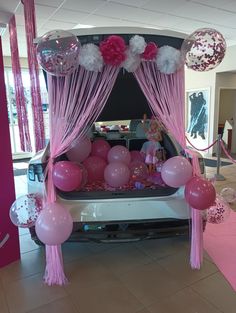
[9,238]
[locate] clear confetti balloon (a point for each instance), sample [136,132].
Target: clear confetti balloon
[25,210]
[218,212]
[229,194]
[204,49]
[57,52]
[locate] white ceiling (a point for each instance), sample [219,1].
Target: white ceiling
[179,15]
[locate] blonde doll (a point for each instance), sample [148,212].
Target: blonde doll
[152,148]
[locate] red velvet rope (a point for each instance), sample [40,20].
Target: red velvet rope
[201,149]
[226,152]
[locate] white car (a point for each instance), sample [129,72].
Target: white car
[107,216]
[120,215]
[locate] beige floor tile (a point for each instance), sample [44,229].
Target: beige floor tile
[73,251]
[186,301]
[217,290]
[3,301]
[102,247]
[30,293]
[123,258]
[143,311]
[86,271]
[105,297]
[207,257]
[31,263]
[63,305]
[150,282]
[159,248]
[179,267]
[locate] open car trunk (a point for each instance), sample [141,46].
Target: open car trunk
[99,192]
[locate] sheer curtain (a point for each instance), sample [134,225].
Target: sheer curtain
[166,97]
[75,102]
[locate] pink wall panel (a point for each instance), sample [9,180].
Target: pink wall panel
[9,239]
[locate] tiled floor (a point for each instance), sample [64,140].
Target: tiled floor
[147,277]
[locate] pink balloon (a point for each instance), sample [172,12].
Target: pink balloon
[54,224]
[136,156]
[117,174]
[79,150]
[95,167]
[100,148]
[176,171]
[200,193]
[218,212]
[84,179]
[119,154]
[138,171]
[25,210]
[66,175]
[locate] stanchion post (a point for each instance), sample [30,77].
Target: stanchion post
[218,176]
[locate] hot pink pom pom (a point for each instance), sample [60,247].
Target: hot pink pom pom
[150,51]
[113,50]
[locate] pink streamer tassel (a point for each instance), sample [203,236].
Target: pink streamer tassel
[54,272]
[196,254]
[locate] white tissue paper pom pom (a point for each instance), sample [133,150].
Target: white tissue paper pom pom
[137,44]
[168,59]
[90,57]
[131,62]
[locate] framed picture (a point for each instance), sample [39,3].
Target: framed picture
[197,116]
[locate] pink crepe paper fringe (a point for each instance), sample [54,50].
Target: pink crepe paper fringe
[196,254]
[54,272]
[166,96]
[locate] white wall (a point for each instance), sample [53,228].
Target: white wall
[214,79]
[227,103]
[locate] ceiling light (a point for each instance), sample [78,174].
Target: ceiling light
[83,26]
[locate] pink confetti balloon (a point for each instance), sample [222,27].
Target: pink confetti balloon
[228,194]
[54,224]
[25,210]
[57,52]
[218,212]
[138,171]
[204,49]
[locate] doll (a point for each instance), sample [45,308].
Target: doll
[152,148]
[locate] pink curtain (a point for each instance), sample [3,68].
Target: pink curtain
[30,29]
[165,94]
[75,102]
[19,89]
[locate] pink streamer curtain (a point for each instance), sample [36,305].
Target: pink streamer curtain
[75,103]
[165,94]
[30,28]
[23,123]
